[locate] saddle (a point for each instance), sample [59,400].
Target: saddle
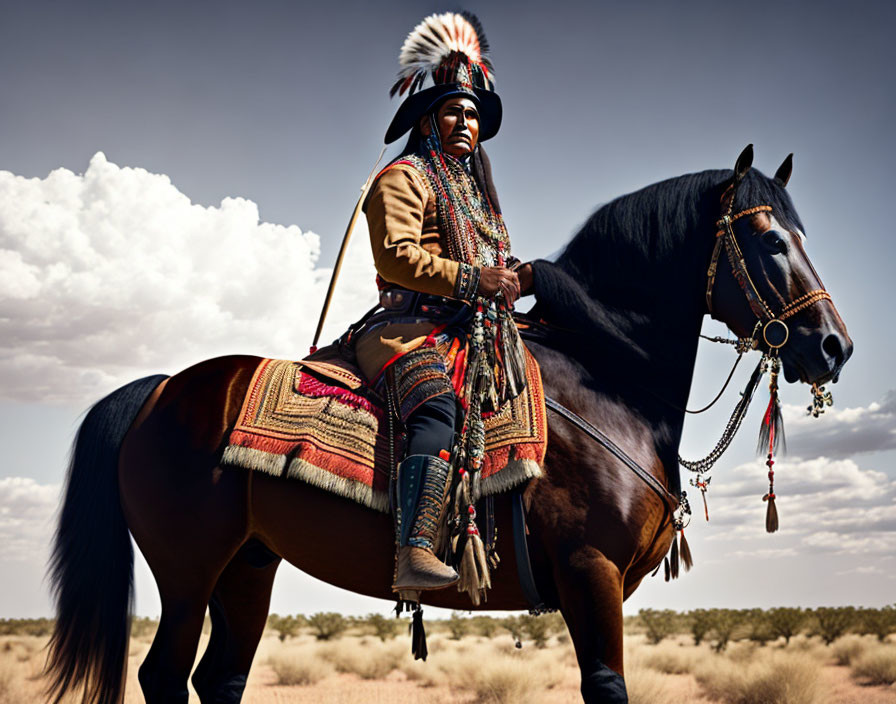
[318,421]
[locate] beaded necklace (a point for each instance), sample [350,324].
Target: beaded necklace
[475,233]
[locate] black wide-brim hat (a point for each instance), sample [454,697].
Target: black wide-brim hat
[422,102]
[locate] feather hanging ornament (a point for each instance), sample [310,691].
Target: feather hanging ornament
[771,436]
[439,45]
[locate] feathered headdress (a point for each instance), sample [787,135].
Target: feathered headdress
[450,48]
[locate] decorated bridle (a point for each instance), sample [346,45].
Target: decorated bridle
[774,332]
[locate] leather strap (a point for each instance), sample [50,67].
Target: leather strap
[597,435]
[520,543]
[521,550]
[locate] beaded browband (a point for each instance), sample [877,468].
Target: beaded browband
[775,332]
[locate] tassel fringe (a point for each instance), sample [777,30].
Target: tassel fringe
[673,558]
[771,514]
[513,356]
[685,551]
[418,635]
[771,432]
[770,437]
[667,568]
[473,569]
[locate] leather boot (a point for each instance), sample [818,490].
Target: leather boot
[422,481]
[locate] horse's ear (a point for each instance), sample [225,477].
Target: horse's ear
[744,162]
[782,175]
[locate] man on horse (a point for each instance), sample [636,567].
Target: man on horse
[445,344]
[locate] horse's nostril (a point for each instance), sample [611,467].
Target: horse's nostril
[833,347]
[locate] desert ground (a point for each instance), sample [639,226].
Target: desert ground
[370,661]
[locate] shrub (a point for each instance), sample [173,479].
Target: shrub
[699,624]
[381,626]
[327,625]
[298,670]
[658,623]
[786,622]
[878,622]
[537,628]
[724,623]
[778,677]
[833,622]
[286,626]
[877,666]
[485,626]
[141,627]
[458,625]
[514,624]
[26,626]
[759,628]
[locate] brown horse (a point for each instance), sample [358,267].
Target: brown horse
[629,294]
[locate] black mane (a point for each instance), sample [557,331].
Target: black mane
[632,252]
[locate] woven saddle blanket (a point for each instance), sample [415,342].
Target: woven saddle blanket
[316,420]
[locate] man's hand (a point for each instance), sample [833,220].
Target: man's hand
[526,277]
[493,279]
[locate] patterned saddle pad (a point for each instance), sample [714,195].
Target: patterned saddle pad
[317,421]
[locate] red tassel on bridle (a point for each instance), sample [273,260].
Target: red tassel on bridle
[770,436]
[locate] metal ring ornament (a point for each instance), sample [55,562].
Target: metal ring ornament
[772,325]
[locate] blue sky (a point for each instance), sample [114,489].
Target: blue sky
[234,138]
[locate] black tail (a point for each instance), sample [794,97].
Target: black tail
[92,566]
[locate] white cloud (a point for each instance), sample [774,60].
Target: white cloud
[115,273]
[843,432]
[26,518]
[823,504]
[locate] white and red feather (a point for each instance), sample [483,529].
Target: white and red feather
[434,40]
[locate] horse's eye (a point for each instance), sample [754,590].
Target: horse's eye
[774,241]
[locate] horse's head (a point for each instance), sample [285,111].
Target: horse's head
[761,282]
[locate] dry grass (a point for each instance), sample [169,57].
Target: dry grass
[743,653]
[876,665]
[671,658]
[848,648]
[811,647]
[474,669]
[299,669]
[369,659]
[7,684]
[647,686]
[503,681]
[423,674]
[776,677]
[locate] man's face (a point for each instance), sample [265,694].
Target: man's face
[458,122]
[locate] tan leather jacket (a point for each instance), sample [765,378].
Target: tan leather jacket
[408,251]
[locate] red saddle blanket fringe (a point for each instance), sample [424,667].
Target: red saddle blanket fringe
[313,421]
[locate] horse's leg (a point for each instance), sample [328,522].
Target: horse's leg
[188,516]
[163,674]
[590,591]
[239,610]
